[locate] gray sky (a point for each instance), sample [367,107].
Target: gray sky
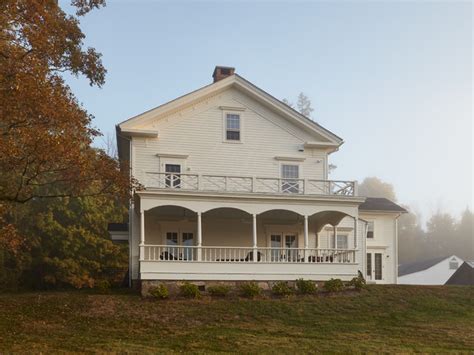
[394,79]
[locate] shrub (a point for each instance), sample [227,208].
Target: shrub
[250,289]
[334,285]
[103,286]
[159,292]
[281,288]
[218,290]
[358,282]
[306,286]
[189,290]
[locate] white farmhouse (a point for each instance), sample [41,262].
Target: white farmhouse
[236,188]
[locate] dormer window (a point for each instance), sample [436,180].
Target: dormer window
[232,127]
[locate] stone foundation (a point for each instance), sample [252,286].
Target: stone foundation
[173,285]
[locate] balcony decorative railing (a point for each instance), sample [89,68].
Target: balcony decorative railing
[246,254]
[222,183]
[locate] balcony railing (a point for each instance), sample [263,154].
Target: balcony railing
[222,183]
[217,254]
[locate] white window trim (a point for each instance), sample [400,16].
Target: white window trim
[289,162]
[173,161]
[341,234]
[180,232]
[224,126]
[282,234]
[374,231]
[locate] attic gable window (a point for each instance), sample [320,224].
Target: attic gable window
[232,127]
[453,264]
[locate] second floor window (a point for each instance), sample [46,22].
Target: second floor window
[290,176]
[232,127]
[370,230]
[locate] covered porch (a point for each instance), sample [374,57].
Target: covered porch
[258,241]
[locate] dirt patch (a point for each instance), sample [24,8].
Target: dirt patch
[101,306]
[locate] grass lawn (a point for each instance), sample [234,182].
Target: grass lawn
[381,318]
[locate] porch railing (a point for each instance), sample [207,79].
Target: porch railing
[223,183]
[218,254]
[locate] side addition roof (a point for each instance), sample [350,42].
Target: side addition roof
[381,204]
[117,227]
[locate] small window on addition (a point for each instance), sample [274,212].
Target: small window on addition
[370,230]
[232,127]
[453,265]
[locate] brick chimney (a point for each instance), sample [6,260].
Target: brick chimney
[222,72]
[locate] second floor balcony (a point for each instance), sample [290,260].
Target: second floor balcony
[246,184]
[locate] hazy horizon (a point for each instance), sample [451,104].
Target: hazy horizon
[394,80]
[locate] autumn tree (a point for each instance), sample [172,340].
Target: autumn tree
[46,134]
[48,167]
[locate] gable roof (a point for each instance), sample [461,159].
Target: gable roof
[381,204]
[410,268]
[127,127]
[464,275]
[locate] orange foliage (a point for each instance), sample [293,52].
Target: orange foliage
[45,134]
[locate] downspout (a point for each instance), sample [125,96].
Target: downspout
[364,249]
[130,221]
[396,249]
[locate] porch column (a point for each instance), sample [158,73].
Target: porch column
[306,239]
[142,235]
[356,232]
[254,237]
[356,229]
[199,236]
[335,235]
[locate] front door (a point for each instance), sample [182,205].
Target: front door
[177,243]
[375,267]
[284,247]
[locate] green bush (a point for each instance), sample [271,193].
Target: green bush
[250,289]
[103,286]
[218,290]
[189,290]
[306,286]
[358,282]
[281,288]
[159,292]
[334,285]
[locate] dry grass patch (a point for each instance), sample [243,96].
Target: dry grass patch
[379,319]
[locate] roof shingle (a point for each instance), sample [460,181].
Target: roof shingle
[381,204]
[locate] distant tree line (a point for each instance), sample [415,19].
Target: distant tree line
[443,234]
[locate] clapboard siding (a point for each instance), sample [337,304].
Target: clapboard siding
[198,133]
[384,241]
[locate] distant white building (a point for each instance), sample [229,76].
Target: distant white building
[429,272]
